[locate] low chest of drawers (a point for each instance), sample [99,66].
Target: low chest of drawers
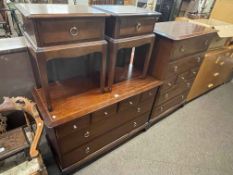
[177,55]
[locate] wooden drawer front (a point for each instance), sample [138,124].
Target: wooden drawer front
[104,113]
[96,129]
[191,46]
[85,150]
[61,31]
[169,104]
[130,102]
[185,64]
[132,26]
[148,94]
[180,87]
[73,126]
[168,84]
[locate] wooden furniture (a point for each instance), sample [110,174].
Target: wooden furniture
[217,65]
[85,123]
[128,27]
[79,31]
[216,69]
[22,139]
[177,55]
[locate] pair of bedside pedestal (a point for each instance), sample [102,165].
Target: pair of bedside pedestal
[81,122]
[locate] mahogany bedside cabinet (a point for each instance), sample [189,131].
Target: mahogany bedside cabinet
[128,27]
[61,32]
[177,55]
[83,123]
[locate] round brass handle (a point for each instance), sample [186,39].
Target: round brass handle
[105,113]
[182,77]
[182,49]
[138,26]
[188,84]
[150,93]
[222,63]
[169,84]
[198,59]
[182,97]
[75,126]
[161,108]
[87,134]
[206,42]
[194,72]
[130,102]
[166,95]
[73,31]
[87,150]
[139,109]
[175,68]
[134,124]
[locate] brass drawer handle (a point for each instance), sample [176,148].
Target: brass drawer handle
[138,109]
[182,97]
[135,124]
[194,72]
[150,93]
[138,26]
[130,102]
[210,85]
[218,59]
[198,59]
[105,113]
[216,74]
[206,42]
[73,31]
[222,63]
[87,150]
[75,127]
[175,68]
[169,84]
[182,49]
[161,108]
[87,134]
[166,95]
[188,84]
[182,78]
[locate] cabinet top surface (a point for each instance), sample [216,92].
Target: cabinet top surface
[126,10]
[179,30]
[58,10]
[76,106]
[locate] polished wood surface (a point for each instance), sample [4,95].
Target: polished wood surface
[180,30]
[215,70]
[73,107]
[126,10]
[58,11]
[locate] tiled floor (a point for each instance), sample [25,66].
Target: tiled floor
[195,140]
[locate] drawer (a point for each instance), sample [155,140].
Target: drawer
[104,113]
[132,26]
[184,64]
[148,94]
[169,104]
[190,46]
[62,31]
[130,102]
[83,136]
[180,87]
[169,83]
[73,126]
[87,149]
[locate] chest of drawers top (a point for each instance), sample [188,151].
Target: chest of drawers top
[53,24]
[128,21]
[184,38]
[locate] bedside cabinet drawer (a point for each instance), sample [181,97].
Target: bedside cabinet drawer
[104,113]
[132,26]
[73,126]
[62,31]
[98,143]
[128,103]
[148,94]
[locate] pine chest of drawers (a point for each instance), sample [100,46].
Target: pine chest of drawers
[177,56]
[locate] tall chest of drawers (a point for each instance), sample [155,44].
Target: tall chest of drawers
[177,55]
[81,122]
